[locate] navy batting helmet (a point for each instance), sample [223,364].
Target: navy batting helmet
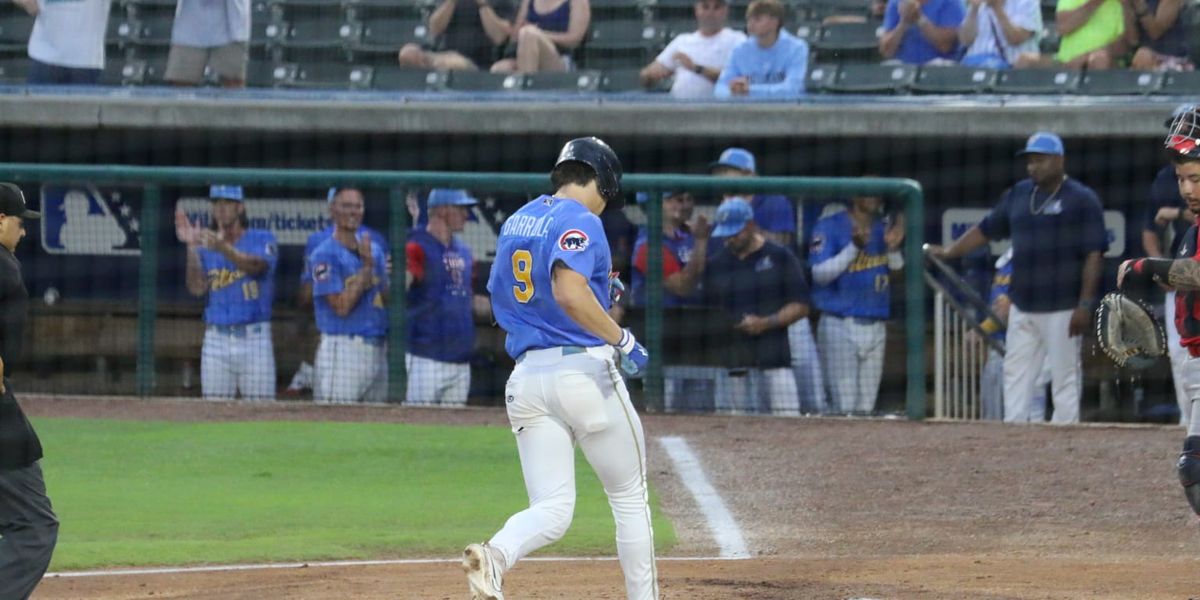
[593,152]
[1183,131]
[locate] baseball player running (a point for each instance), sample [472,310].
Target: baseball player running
[28,526]
[550,293]
[1183,275]
[852,254]
[235,267]
[350,287]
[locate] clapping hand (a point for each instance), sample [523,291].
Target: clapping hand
[187,231]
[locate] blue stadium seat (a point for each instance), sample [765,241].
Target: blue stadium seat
[872,79]
[482,81]
[1036,81]
[395,78]
[819,77]
[953,80]
[575,81]
[1119,83]
[15,30]
[1181,84]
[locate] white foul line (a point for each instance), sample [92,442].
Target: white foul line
[338,563]
[724,529]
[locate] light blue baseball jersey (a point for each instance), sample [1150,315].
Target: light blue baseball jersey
[318,238]
[235,298]
[332,264]
[862,290]
[542,233]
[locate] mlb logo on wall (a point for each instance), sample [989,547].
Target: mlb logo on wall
[82,219]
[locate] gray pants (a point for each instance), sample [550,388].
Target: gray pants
[28,531]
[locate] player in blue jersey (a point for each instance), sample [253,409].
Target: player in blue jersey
[441,304]
[233,266]
[350,290]
[304,377]
[550,293]
[853,252]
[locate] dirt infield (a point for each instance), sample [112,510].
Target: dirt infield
[832,508]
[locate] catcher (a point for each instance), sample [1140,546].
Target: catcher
[1182,275]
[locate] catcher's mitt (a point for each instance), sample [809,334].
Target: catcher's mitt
[1128,332]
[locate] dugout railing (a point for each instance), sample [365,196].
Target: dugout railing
[153,180]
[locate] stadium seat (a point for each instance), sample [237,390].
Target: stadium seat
[143,72]
[151,31]
[319,4]
[608,60]
[261,74]
[482,81]
[604,10]
[395,78]
[847,42]
[266,32]
[623,35]
[114,36]
[150,4]
[953,80]
[319,33]
[872,79]
[389,35]
[1050,40]
[819,77]
[808,31]
[113,73]
[15,30]
[822,9]
[575,81]
[1119,83]
[1181,84]
[628,80]
[327,75]
[366,11]
[14,71]
[1036,81]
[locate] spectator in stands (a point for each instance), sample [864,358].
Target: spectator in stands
[997,32]
[545,33]
[1095,34]
[1162,30]
[771,63]
[761,288]
[213,34]
[442,305]
[467,32]
[1058,237]
[917,32]
[66,46]
[853,253]
[696,59]
[684,251]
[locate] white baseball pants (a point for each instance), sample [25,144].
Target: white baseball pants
[754,391]
[1036,340]
[554,400]
[852,354]
[1179,356]
[1190,371]
[237,358]
[436,383]
[350,369]
[806,367]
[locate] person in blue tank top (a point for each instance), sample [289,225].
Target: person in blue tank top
[544,33]
[441,304]
[550,288]
[305,376]
[771,63]
[234,267]
[853,253]
[350,287]
[1163,31]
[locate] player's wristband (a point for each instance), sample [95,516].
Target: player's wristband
[627,343]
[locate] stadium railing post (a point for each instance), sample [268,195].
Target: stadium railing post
[148,289]
[398,309]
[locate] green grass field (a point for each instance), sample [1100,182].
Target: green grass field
[161,493]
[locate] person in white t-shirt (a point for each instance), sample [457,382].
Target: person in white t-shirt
[997,32]
[697,58]
[66,46]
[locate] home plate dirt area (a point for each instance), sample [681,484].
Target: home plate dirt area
[825,507]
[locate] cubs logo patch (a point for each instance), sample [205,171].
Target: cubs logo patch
[573,240]
[321,272]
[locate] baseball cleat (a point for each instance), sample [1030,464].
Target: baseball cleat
[483,574]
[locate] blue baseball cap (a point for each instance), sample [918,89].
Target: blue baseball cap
[1043,142]
[732,216]
[449,197]
[737,158]
[643,197]
[225,192]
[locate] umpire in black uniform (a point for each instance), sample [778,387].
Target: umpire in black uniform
[28,527]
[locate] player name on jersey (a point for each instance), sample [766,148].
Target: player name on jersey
[527,226]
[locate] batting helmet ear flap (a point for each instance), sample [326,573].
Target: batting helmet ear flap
[593,152]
